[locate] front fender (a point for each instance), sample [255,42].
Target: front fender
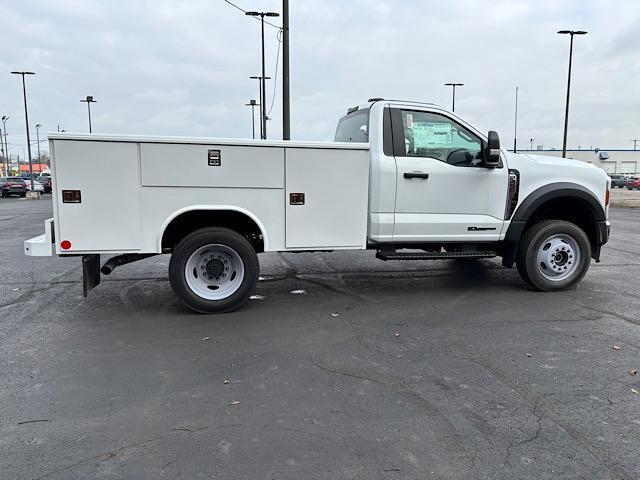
[535,200]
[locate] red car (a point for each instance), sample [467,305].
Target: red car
[13,186]
[633,183]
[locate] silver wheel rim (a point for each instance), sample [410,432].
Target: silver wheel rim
[558,257]
[214,272]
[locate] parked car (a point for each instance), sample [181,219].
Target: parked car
[13,186]
[633,183]
[618,180]
[37,186]
[45,180]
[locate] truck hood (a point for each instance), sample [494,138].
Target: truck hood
[557,161]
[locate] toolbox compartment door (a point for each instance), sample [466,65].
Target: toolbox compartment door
[107,215]
[326,198]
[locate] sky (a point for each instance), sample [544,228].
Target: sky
[182,68]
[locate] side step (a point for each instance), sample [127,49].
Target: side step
[394,255]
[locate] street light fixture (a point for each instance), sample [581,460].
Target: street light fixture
[26,120]
[262,102]
[263,95]
[38,140]
[252,103]
[454,85]
[566,111]
[89,100]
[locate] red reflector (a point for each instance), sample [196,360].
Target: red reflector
[65,244]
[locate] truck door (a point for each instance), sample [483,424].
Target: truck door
[443,190]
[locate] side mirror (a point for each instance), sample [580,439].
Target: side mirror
[492,152]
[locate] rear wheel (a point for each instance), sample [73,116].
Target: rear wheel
[553,255]
[214,270]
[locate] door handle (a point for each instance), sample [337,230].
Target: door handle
[421,175]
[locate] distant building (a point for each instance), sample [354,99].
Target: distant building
[37,167]
[610,160]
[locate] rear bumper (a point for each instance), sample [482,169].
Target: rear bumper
[14,191]
[42,245]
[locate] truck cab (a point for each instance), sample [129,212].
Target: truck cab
[434,186]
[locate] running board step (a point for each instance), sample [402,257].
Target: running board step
[393,255]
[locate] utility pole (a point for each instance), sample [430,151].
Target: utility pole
[515,123]
[6,145]
[635,142]
[454,85]
[89,100]
[263,85]
[286,100]
[26,120]
[262,102]
[252,103]
[38,140]
[566,111]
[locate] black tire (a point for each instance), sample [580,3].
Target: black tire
[22,195]
[210,236]
[532,242]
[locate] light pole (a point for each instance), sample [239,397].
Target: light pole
[38,140]
[566,111]
[531,141]
[252,103]
[262,102]
[263,91]
[286,103]
[635,143]
[4,158]
[454,85]
[6,145]
[26,120]
[89,100]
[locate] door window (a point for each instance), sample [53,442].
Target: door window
[436,136]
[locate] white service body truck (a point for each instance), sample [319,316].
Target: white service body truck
[409,180]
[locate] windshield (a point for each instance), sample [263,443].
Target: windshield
[354,127]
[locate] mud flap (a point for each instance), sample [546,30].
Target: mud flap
[90,273]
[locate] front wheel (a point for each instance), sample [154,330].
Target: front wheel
[553,255]
[214,270]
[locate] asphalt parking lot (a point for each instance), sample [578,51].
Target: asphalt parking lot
[380,370]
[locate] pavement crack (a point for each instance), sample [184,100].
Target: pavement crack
[612,314]
[170,463]
[109,454]
[531,438]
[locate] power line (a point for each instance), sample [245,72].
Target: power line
[256,18]
[275,76]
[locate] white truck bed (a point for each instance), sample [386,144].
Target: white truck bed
[132,187]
